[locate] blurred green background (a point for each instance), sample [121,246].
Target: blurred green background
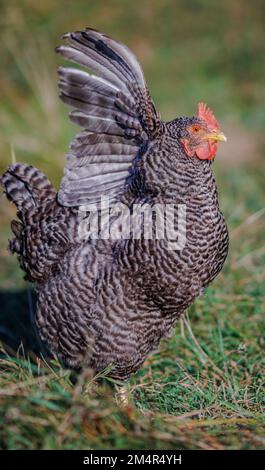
[190,50]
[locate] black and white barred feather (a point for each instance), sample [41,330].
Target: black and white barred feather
[115,109]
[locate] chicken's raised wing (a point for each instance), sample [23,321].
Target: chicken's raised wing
[116,111]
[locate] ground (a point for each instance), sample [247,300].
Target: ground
[204,387]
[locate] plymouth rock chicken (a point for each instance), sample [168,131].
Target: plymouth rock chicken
[106,302]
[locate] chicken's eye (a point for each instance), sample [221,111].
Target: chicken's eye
[195,128]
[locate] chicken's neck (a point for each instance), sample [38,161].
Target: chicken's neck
[172,177]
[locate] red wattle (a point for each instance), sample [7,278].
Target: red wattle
[207,151]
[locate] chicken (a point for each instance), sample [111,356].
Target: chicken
[107,300]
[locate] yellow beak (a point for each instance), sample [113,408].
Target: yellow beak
[216,136]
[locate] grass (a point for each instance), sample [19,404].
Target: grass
[204,387]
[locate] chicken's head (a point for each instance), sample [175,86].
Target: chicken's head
[202,134]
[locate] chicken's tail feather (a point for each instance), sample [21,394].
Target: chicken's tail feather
[27,188]
[32,193]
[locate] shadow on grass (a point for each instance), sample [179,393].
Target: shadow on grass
[17,327]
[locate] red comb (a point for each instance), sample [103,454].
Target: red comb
[205,113]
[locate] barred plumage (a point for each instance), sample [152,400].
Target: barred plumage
[106,301]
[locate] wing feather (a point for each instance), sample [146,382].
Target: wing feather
[115,110]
